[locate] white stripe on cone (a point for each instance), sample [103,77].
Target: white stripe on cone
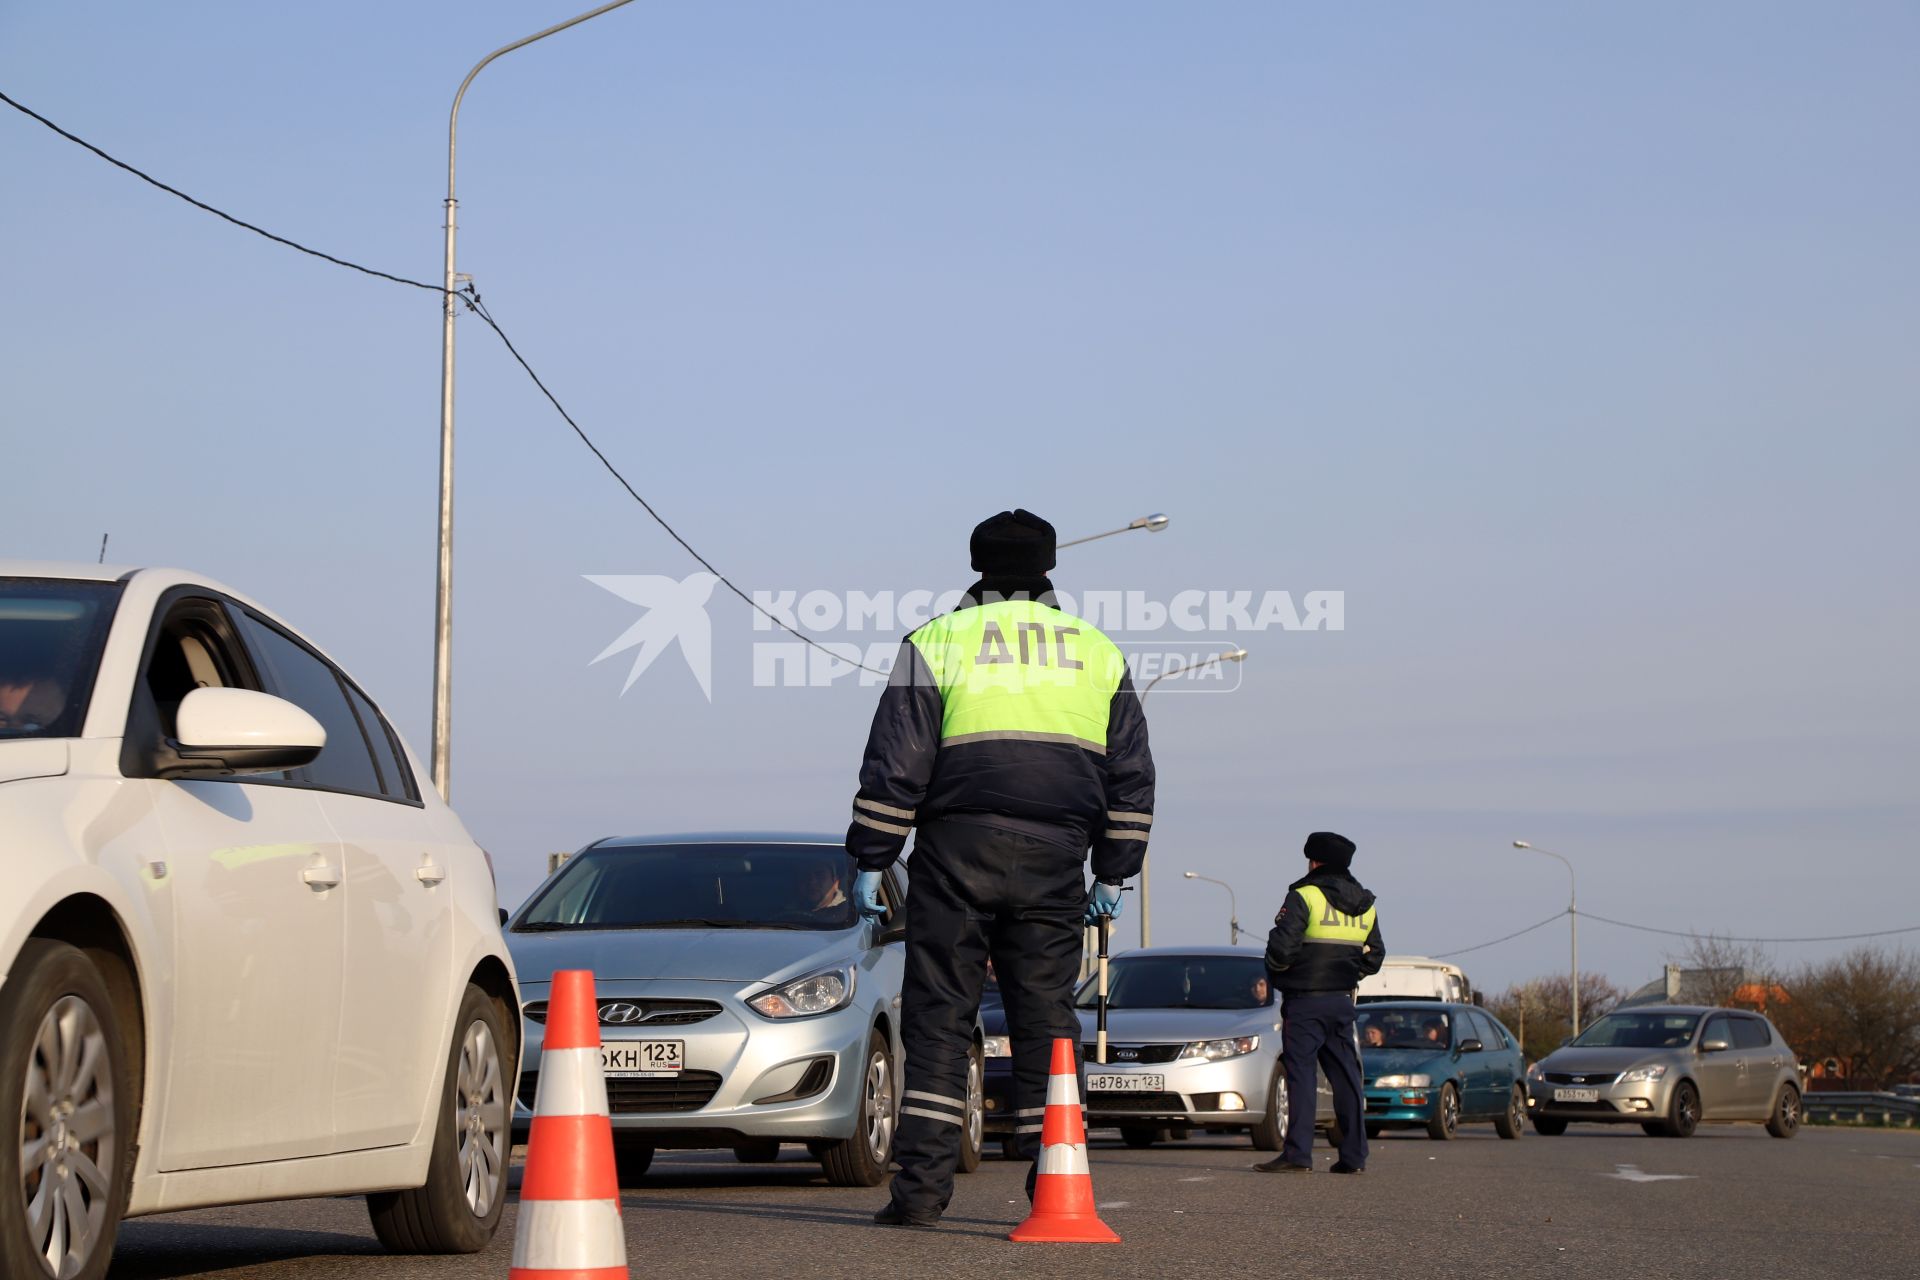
[561,1235]
[1062,1091]
[570,1084]
[1064,1157]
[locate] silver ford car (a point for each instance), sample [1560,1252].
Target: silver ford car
[1193,1042]
[743,1003]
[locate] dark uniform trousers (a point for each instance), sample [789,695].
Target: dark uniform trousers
[976,891]
[1317,1029]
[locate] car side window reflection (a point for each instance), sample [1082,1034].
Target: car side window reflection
[305,679]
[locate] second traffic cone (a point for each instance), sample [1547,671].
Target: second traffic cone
[569,1225]
[1063,1210]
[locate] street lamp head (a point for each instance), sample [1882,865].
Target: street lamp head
[1187,874]
[1521,844]
[1152,524]
[1234,655]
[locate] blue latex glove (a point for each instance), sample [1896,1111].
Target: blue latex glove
[866,896]
[1103,901]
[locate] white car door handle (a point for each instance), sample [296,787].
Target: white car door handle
[430,875]
[322,877]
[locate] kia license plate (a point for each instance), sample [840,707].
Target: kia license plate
[1129,1083]
[643,1057]
[1576,1095]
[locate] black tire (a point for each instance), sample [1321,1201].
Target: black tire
[1683,1112]
[1137,1137]
[1334,1133]
[1009,1148]
[1513,1122]
[452,1214]
[973,1135]
[631,1160]
[1785,1120]
[1270,1133]
[1375,1130]
[757,1151]
[1549,1126]
[54,991]
[861,1160]
[1446,1114]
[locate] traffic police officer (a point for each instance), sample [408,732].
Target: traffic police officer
[1007,741]
[1325,939]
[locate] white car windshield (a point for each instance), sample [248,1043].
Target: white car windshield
[694,886]
[1183,982]
[51,632]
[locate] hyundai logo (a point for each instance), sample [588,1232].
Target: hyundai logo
[620,1012]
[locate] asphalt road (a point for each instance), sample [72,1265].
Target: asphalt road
[1596,1202]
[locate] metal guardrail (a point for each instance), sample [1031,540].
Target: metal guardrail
[1862,1108]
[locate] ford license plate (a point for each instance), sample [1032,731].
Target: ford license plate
[1130,1083]
[643,1057]
[1576,1095]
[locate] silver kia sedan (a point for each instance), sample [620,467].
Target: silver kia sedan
[743,1003]
[1669,1069]
[1193,1042]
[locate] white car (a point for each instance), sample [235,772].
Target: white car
[247,955]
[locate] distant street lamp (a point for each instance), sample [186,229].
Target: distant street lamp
[441,758]
[1573,916]
[1233,906]
[1152,524]
[1146,902]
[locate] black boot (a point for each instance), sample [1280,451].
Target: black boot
[1280,1164]
[895,1216]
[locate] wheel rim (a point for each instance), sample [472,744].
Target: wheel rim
[69,1142]
[1689,1108]
[1789,1110]
[1449,1109]
[1280,1106]
[976,1104]
[1516,1112]
[480,1117]
[878,1104]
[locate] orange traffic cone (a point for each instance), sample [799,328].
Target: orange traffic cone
[569,1225]
[1063,1191]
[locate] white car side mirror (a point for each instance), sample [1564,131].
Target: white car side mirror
[240,731]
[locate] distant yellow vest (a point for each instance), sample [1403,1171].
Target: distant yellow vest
[1328,925]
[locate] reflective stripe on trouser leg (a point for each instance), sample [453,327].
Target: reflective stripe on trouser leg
[1036,955]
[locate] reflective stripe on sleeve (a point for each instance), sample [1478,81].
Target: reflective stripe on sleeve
[888,827]
[1114,833]
[1144,819]
[874,806]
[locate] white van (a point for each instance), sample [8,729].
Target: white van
[1417,978]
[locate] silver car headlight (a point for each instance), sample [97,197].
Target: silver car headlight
[1643,1075]
[1220,1050]
[805,997]
[998,1046]
[1419,1080]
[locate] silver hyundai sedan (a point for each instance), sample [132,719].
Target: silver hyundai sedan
[1193,1042]
[1669,1069]
[743,1003]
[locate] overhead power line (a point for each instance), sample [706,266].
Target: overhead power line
[471,298]
[1481,946]
[1695,933]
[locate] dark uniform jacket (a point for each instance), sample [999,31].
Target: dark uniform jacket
[1067,793]
[1299,967]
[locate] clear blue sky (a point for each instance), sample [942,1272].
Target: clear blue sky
[1575,343]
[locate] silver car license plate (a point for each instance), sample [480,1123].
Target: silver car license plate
[1576,1095]
[643,1057]
[1129,1083]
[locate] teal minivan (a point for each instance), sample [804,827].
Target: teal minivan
[1435,1066]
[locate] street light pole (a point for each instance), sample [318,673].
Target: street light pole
[1152,524]
[1573,916]
[442,754]
[1233,906]
[1146,902]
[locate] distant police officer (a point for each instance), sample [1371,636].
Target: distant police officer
[1009,738]
[1325,939]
